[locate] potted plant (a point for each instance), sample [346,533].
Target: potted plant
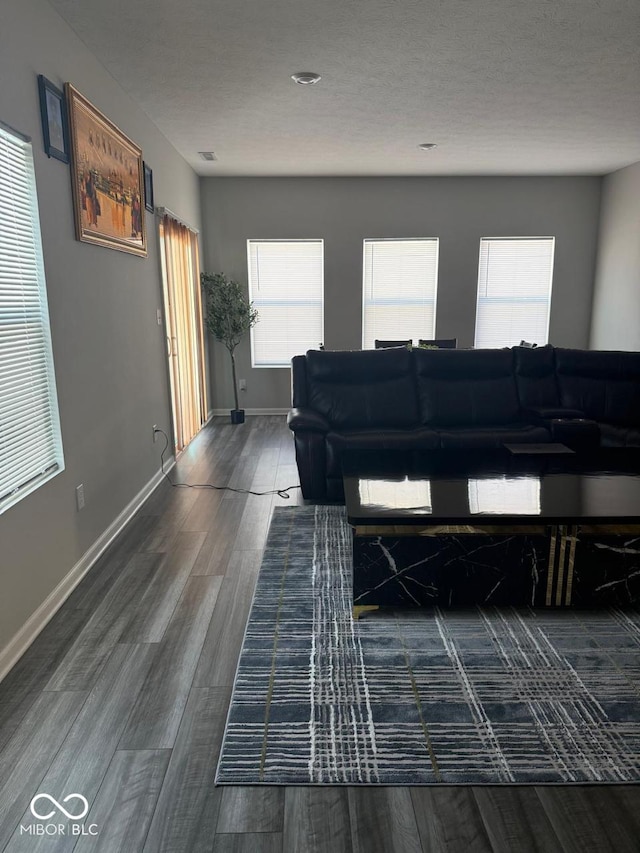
[229,316]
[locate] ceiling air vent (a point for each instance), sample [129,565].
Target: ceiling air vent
[207,155]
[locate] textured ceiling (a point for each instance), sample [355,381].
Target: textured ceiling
[502,86]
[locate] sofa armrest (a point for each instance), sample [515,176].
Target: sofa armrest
[307,419]
[545,413]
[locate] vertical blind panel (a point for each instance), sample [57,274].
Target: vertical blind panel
[399,290]
[30,443]
[514,291]
[183,310]
[286,285]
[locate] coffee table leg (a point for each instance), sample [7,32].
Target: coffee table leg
[359,609]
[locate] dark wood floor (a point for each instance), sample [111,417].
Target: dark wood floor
[124,695]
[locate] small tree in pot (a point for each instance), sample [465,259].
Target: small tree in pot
[229,316]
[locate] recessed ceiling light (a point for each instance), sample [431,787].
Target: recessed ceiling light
[428,146]
[306,78]
[207,155]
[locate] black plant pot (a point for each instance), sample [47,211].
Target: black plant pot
[237,416]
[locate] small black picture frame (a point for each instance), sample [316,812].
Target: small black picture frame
[148,187]
[55,128]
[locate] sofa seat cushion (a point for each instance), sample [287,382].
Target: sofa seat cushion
[493,436]
[466,387]
[390,439]
[369,389]
[604,385]
[612,435]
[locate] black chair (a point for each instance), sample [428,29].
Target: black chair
[440,343]
[388,344]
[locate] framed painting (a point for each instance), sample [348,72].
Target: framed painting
[54,120]
[107,179]
[148,188]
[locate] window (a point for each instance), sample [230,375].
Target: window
[514,291]
[30,444]
[399,290]
[286,285]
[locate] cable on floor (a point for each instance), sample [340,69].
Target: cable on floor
[283,493]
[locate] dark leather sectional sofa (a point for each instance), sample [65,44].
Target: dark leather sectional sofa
[428,399]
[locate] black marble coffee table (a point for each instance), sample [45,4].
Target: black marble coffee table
[459,528]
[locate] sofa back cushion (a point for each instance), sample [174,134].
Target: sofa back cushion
[535,377]
[604,385]
[466,387]
[371,388]
[299,381]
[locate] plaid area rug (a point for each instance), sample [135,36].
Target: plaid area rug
[424,696]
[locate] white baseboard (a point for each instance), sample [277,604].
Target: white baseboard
[218,412]
[21,641]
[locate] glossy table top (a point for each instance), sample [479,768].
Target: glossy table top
[492,487]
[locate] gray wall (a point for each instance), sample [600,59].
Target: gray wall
[344,211]
[616,302]
[108,349]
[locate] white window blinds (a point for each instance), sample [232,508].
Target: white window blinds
[514,291]
[286,285]
[399,290]
[30,444]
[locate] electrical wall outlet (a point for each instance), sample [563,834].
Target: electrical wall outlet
[80,496]
[242,384]
[159,316]
[155,434]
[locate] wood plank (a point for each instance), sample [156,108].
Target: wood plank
[449,819]
[217,664]
[83,758]
[515,819]
[22,686]
[83,663]
[383,821]
[156,716]
[28,755]
[243,472]
[287,448]
[251,809]
[254,525]
[316,819]
[218,545]
[168,502]
[152,614]
[263,842]
[591,819]
[125,803]
[225,454]
[287,478]
[204,509]
[96,583]
[187,811]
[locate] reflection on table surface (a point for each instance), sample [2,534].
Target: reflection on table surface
[406,495]
[462,488]
[500,495]
[488,496]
